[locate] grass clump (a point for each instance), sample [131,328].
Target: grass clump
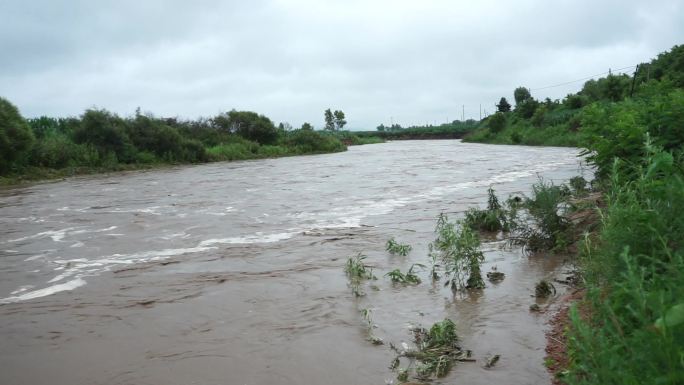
[458,247]
[494,218]
[631,330]
[357,271]
[437,349]
[410,278]
[395,247]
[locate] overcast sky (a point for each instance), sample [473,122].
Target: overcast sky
[408,61]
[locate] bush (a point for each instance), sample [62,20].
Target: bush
[16,137]
[308,142]
[107,132]
[497,122]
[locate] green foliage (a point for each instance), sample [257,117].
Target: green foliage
[605,109]
[395,247]
[632,330]
[16,136]
[549,228]
[438,350]
[496,122]
[340,122]
[307,126]
[251,126]
[521,95]
[313,142]
[329,120]
[458,247]
[503,105]
[494,218]
[357,271]
[453,130]
[617,131]
[101,140]
[410,278]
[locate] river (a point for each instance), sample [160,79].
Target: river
[232,273]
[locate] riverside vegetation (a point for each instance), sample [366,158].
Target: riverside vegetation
[629,328]
[456,256]
[654,86]
[100,141]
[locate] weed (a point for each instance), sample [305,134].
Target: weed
[397,248]
[409,278]
[357,271]
[437,351]
[458,247]
[494,218]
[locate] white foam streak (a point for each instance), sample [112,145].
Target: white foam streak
[71,285]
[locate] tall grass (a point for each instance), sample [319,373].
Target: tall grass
[632,328]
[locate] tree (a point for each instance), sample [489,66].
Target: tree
[107,132]
[521,94]
[16,136]
[503,105]
[307,126]
[252,126]
[329,120]
[497,122]
[339,119]
[381,128]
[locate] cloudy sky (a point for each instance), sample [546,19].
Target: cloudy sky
[410,62]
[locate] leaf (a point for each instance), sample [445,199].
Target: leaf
[673,317]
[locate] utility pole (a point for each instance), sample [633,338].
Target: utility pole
[480,111]
[631,91]
[463,112]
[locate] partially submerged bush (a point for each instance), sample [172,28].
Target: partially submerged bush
[357,271]
[458,247]
[410,278]
[494,218]
[437,351]
[395,247]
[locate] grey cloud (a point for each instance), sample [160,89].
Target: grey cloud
[413,61]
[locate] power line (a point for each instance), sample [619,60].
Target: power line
[579,80]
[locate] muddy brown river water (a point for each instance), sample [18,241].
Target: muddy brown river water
[232,273]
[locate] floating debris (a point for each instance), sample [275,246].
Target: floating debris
[437,351]
[544,289]
[492,361]
[495,276]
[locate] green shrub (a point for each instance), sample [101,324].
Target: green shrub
[16,137]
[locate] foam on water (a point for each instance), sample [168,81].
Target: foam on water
[71,285]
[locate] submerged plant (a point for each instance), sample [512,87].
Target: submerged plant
[395,247]
[544,289]
[458,247]
[368,320]
[410,277]
[357,271]
[436,351]
[494,218]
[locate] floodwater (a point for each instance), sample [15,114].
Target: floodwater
[232,273]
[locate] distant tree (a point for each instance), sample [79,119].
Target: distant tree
[107,132]
[503,105]
[497,122]
[329,120]
[574,101]
[521,94]
[252,126]
[381,128]
[527,108]
[339,119]
[614,88]
[307,126]
[16,136]
[284,126]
